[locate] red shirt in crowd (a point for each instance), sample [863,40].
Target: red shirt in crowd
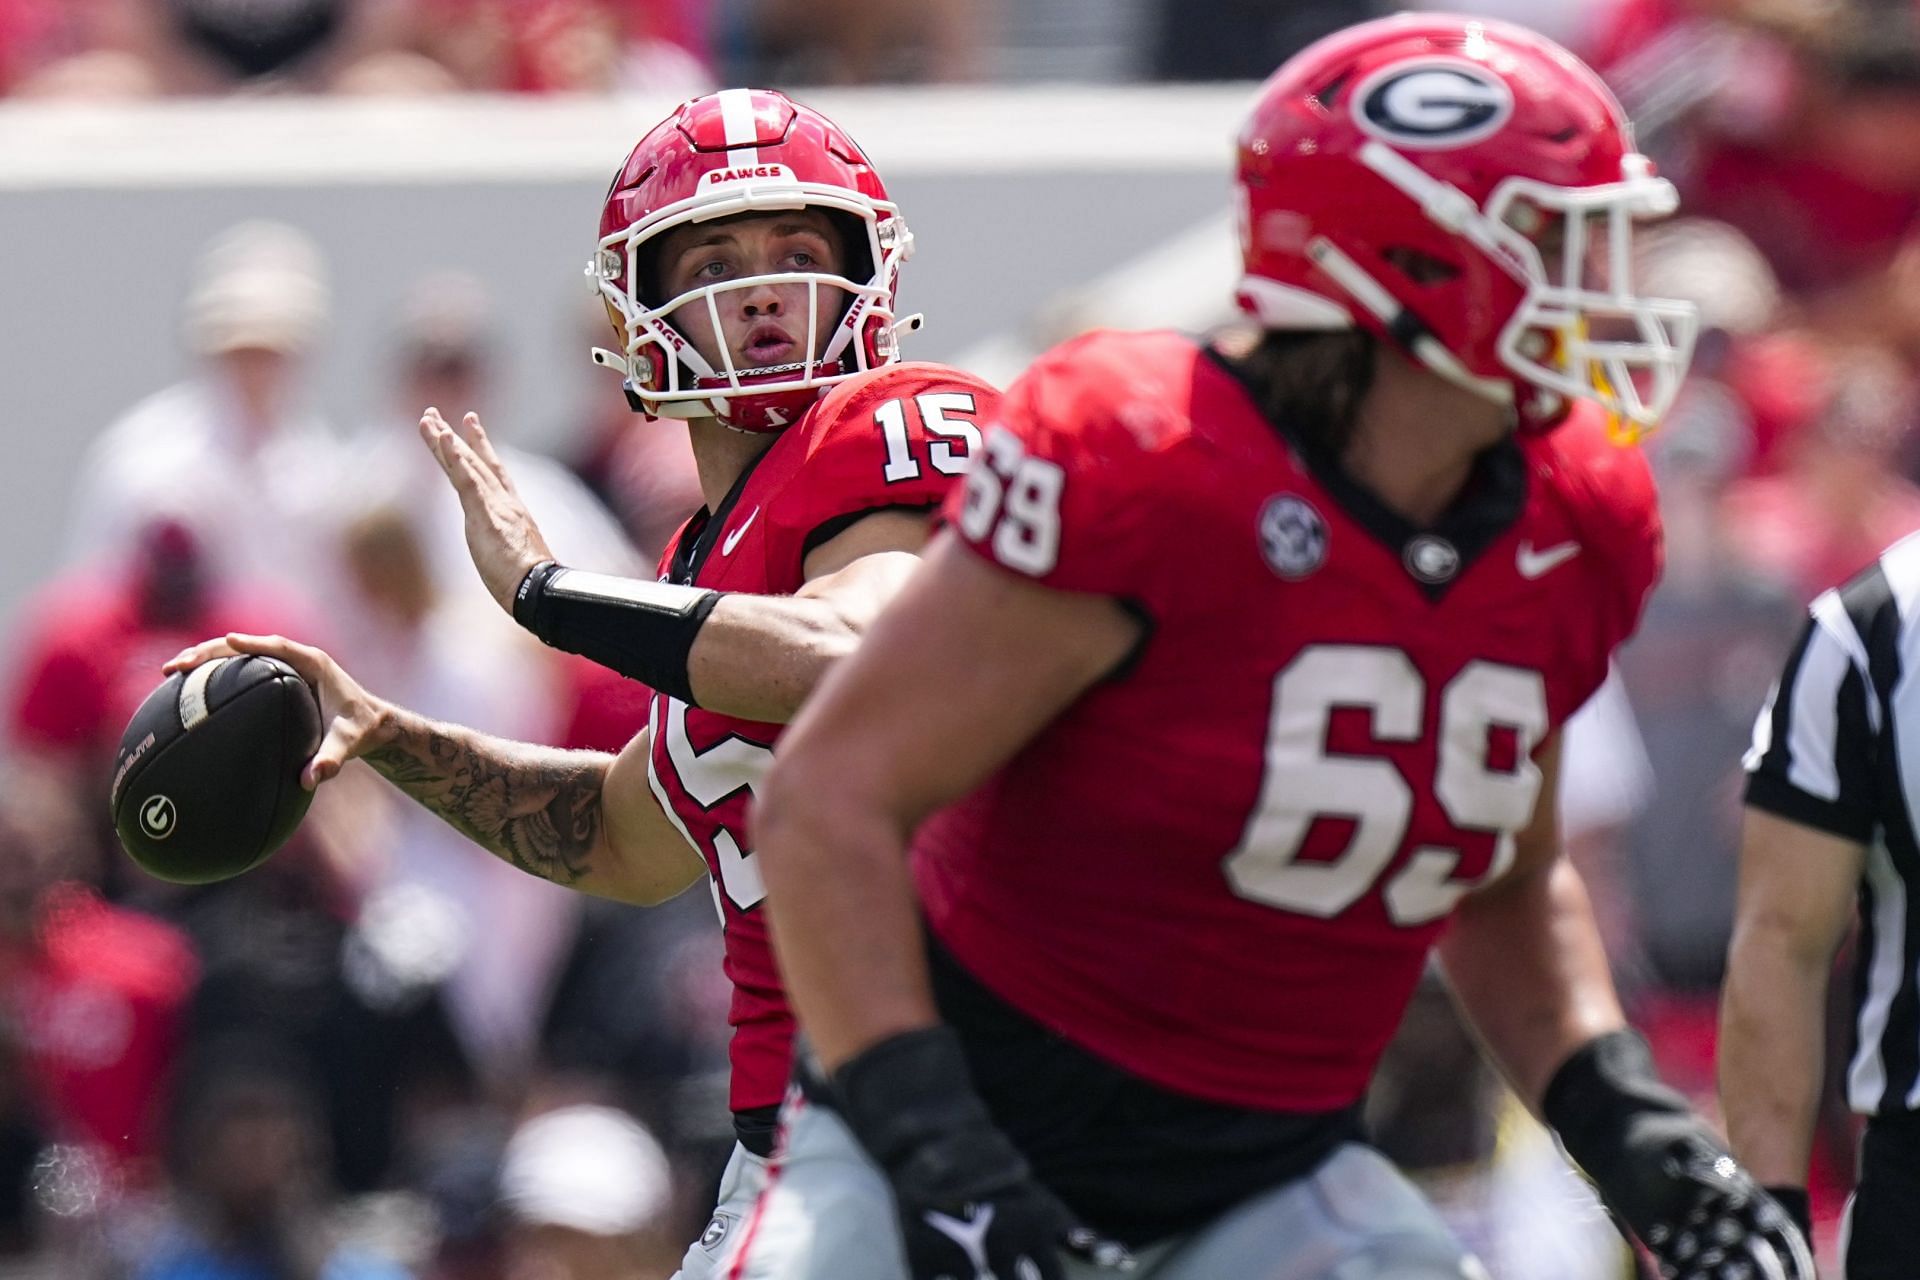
[97,999]
[88,657]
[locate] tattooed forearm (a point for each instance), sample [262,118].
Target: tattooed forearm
[536,807]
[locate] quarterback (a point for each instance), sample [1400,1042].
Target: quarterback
[1103,871]
[748,258]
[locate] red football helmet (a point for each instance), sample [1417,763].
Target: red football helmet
[745,151]
[1465,189]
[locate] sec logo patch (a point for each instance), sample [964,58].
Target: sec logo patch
[1293,536]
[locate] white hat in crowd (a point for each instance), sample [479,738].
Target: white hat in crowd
[257,285]
[589,1168]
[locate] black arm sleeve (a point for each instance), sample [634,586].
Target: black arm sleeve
[643,630]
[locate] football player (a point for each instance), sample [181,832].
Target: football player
[1233,688]
[748,257]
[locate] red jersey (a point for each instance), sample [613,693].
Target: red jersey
[1221,869]
[98,1004]
[896,437]
[88,658]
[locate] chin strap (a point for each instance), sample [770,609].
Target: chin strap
[1406,328]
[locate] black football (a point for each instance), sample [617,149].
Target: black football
[207,780]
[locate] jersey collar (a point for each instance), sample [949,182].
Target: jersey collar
[1490,503]
[697,540]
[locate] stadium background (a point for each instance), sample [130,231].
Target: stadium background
[117,201]
[1063,163]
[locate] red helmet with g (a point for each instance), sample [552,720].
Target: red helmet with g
[1465,189]
[745,151]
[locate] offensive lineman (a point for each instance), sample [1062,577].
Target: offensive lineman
[1237,677]
[748,257]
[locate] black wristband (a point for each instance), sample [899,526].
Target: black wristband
[643,630]
[530,589]
[906,1088]
[911,1103]
[1798,1204]
[1599,1092]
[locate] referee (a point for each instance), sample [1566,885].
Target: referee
[1833,784]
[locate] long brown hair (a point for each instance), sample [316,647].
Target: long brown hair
[1309,383]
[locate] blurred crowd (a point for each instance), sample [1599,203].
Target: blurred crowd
[385,1054]
[166,48]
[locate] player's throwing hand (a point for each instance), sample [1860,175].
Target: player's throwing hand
[351,719]
[501,535]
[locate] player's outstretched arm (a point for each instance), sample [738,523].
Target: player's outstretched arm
[1526,963]
[922,712]
[759,657]
[502,537]
[582,819]
[747,655]
[1797,887]
[752,656]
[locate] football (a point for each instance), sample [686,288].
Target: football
[206,783]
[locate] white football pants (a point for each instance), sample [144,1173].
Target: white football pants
[827,1214]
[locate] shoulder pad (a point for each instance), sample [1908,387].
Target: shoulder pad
[899,436]
[1607,491]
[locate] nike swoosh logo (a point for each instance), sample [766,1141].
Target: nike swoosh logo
[733,539]
[1533,563]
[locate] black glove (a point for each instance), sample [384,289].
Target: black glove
[969,1206]
[1665,1173]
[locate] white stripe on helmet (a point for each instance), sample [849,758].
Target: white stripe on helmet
[736,115]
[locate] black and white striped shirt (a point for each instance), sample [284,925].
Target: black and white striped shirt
[1837,748]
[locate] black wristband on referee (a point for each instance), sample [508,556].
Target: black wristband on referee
[643,630]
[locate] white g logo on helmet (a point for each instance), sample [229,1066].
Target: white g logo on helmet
[1432,104]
